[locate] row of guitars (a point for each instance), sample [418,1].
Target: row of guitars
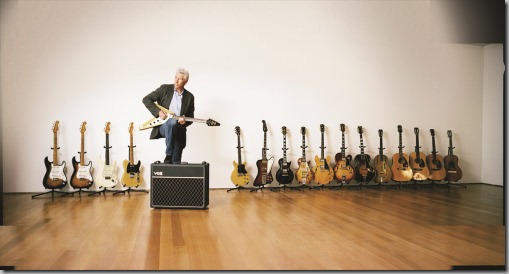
[55,177]
[404,168]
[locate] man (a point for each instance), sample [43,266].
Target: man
[178,100]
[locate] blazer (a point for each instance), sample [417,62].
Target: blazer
[163,96]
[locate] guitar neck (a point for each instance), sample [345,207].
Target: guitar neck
[343,148]
[55,148]
[264,149]
[450,147]
[131,150]
[107,147]
[284,149]
[82,154]
[303,147]
[417,146]
[322,149]
[433,152]
[381,148]
[238,149]
[400,145]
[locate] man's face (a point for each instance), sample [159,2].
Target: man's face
[180,81]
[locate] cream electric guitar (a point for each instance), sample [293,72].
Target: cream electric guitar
[240,176]
[132,172]
[81,176]
[107,175]
[304,175]
[157,121]
[55,173]
[322,169]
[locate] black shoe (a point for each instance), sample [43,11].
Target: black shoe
[168,160]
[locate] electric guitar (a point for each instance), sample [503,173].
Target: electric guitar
[240,176]
[382,169]
[157,121]
[364,172]
[284,175]
[343,171]
[81,176]
[132,172]
[304,175]
[418,161]
[322,169]
[401,171]
[454,172]
[264,165]
[55,173]
[107,175]
[435,162]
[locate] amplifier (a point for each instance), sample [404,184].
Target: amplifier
[179,185]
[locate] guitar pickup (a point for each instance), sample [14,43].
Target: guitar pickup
[451,171]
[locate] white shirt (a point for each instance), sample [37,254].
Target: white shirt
[176,102]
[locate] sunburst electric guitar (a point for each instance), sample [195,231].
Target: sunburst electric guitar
[418,161]
[322,169]
[240,176]
[343,170]
[304,175]
[82,176]
[132,172]
[107,175]
[284,175]
[382,169]
[401,171]
[157,121]
[435,162]
[264,165]
[364,172]
[454,172]
[55,173]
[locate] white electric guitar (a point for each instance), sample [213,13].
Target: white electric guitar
[107,175]
[157,121]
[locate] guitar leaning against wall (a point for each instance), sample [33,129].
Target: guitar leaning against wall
[454,172]
[264,165]
[132,172]
[239,176]
[304,175]
[343,171]
[435,162]
[418,161]
[107,174]
[284,175]
[82,176]
[382,169]
[55,174]
[401,171]
[364,172]
[322,169]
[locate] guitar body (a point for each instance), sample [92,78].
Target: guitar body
[343,171]
[239,176]
[54,176]
[436,167]
[453,171]
[304,175]
[418,166]
[401,171]
[132,174]
[383,172]
[284,175]
[364,172]
[81,176]
[107,175]
[264,175]
[322,170]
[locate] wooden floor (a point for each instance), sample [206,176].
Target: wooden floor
[412,228]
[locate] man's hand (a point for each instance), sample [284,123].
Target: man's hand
[182,120]
[162,114]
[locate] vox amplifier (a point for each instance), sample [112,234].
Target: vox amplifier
[179,185]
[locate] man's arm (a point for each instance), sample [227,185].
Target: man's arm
[151,98]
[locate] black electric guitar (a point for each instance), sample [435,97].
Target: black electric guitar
[264,165]
[284,175]
[435,162]
[382,169]
[239,176]
[364,172]
[304,175]
[454,172]
[81,176]
[322,169]
[55,173]
[343,171]
[418,161]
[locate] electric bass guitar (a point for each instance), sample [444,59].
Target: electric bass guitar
[435,162]
[240,176]
[418,161]
[382,169]
[157,121]
[132,172]
[284,174]
[82,176]
[55,173]
[304,175]
[322,169]
[264,165]
[107,175]
[401,171]
[343,171]
[364,172]
[454,172]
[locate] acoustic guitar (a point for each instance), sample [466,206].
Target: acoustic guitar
[401,171]
[382,169]
[132,172]
[364,172]
[343,170]
[81,176]
[435,162]
[304,175]
[418,161]
[284,175]
[322,169]
[454,172]
[240,176]
[107,175]
[264,165]
[55,173]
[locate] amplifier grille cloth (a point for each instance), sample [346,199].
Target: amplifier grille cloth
[185,192]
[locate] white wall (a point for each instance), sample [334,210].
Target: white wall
[297,63]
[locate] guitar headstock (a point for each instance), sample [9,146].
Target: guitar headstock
[55,126]
[284,130]
[449,133]
[322,128]
[107,128]
[212,123]
[303,130]
[400,129]
[432,131]
[342,127]
[237,130]
[416,130]
[380,133]
[359,129]
[131,126]
[264,126]
[83,127]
